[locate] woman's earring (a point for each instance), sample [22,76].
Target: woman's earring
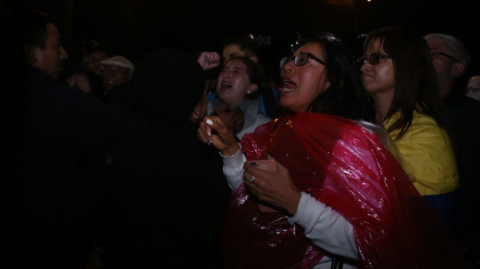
[248,92]
[196,115]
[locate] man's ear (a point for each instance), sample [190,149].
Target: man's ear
[32,53]
[457,69]
[254,59]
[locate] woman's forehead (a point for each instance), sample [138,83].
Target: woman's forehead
[235,63]
[312,47]
[375,45]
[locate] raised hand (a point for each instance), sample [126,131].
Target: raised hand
[212,131]
[209,60]
[275,188]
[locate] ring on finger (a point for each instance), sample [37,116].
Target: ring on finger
[251,179]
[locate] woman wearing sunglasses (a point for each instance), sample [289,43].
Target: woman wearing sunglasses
[397,70]
[337,197]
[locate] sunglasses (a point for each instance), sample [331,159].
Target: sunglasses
[373,59]
[436,53]
[300,60]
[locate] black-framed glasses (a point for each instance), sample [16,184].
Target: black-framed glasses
[437,52]
[373,59]
[300,60]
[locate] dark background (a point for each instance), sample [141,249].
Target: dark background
[135,27]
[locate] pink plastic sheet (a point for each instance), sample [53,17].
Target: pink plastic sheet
[344,165]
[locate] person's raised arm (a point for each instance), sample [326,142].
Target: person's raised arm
[212,131]
[208,60]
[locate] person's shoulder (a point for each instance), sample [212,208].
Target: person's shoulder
[261,118]
[370,127]
[423,126]
[41,86]
[426,121]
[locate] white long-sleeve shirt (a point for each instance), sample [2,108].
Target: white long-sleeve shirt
[323,225]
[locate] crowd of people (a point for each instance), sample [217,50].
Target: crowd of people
[109,163]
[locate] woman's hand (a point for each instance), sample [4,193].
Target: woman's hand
[209,60]
[275,188]
[212,131]
[232,119]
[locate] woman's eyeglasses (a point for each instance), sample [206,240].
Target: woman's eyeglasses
[300,60]
[373,59]
[436,53]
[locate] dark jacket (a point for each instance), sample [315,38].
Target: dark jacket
[51,131]
[166,194]
[121,95]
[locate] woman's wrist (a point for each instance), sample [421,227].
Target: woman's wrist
[294,200]
[230,150]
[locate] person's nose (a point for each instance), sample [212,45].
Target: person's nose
[63,53]
[288,67]
[226,74]
[366,66]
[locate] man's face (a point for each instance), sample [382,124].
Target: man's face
[443,65]
[232,50]
[50,60]
[114,76]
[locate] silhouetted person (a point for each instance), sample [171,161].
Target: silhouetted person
[50,133]
[165,191]
[117,77]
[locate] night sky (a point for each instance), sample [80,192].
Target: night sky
[135,27]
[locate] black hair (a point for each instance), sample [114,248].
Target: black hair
[253,71]
[89,47]
[416,87]
[24,27]
[346,96]
[246,44]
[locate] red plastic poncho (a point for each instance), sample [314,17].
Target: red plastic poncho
[344,165]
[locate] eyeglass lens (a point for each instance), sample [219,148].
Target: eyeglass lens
[299,60]
[372,59]
[436,53]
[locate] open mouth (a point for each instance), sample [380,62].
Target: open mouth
[288,86]
[225,86]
